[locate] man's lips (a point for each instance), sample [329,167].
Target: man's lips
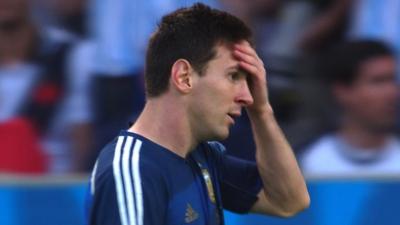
[234,115]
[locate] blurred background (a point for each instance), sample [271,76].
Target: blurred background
[71,77]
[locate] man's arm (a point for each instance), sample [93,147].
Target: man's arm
[284,190]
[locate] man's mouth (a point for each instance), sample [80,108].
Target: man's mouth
[234,115]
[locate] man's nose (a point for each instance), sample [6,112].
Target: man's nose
[244,97]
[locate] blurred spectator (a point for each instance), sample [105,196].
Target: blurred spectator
[361,78]
[44,107]
[67,15]
[327,26]
[377,20]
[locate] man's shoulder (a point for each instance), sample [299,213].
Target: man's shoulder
[128,150]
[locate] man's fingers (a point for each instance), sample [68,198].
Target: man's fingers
[250,63]
[249,51]
[253,70]
[246,48]
[245,57]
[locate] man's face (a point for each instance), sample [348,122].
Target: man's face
[218,96]
[373,97]
[12,11]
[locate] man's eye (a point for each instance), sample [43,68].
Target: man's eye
[234,76]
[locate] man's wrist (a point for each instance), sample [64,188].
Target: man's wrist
[264,112]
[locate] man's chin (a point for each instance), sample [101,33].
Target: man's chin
[219,136]
[224,135]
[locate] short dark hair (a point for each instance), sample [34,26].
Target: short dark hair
[342,63]
[192,34]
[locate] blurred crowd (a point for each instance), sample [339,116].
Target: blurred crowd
[71,77]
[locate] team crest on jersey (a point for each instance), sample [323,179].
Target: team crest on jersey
[190,215]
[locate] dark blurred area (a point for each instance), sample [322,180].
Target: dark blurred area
[71,76]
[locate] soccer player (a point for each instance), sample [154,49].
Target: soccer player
[201,70]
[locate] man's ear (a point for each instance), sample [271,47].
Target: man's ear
[181,76]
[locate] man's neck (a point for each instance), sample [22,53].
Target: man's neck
[166,124]
[362,137]
[16,43]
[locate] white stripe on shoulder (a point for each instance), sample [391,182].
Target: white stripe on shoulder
[138,181]
[129,191]
[118,181]
[93,178]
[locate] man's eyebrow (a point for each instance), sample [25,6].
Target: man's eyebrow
[237,69]
[233,67]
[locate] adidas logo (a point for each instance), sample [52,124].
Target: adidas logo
[190,214]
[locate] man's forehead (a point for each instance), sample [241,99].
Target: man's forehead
[225,52]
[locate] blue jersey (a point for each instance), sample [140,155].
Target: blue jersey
[138,182]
